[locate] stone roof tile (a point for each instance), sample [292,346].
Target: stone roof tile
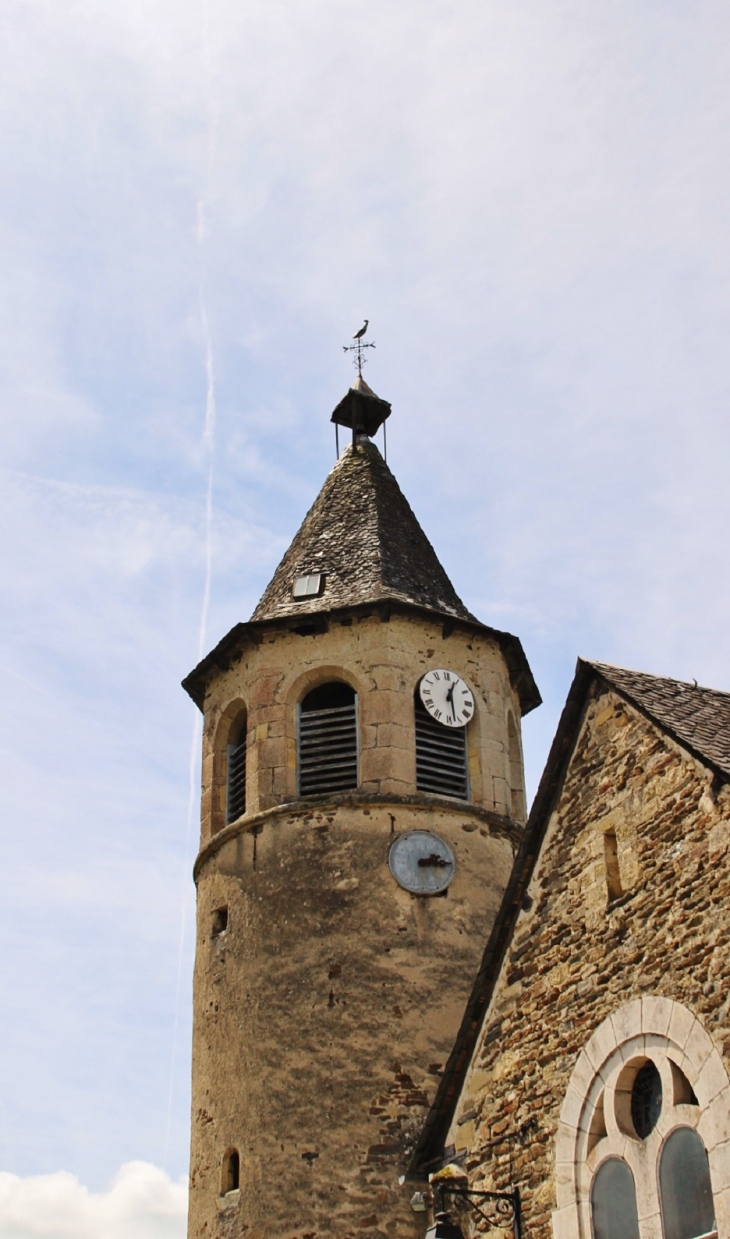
[362,534]
[697,717]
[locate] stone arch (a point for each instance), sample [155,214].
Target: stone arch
[303,682]
[284,700]
[233,715]
[594,1125]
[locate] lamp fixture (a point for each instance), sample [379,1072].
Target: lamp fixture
[444,1229]
[497,1209]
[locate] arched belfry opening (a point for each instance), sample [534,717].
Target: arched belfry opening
[236,769]
[327,740]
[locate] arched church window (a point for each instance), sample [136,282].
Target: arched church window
[236,770]
[628,1101]
[685,1189]
[441,765]
[327,745]
[613,1201]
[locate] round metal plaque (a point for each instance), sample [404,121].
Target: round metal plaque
[421,862]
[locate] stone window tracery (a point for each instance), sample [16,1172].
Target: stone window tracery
[649,1091]
[646,1099]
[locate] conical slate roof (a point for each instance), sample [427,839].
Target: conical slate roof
[361,533]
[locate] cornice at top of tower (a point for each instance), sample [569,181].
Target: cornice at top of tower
[362,536]
[230,648]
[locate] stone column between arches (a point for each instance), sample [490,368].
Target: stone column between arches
[666,1032]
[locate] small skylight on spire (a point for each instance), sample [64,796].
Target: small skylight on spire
[309,586]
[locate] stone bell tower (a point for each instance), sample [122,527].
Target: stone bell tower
[362,800]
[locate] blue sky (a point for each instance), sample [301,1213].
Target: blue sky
[200,204]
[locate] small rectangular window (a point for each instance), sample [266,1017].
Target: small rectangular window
[220,921]
[310,586]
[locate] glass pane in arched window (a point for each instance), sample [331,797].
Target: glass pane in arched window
[646,1099]
[613,1202]
[684,1187]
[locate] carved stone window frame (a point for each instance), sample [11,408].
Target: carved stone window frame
[595,1120]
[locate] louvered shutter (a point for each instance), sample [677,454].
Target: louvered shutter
[236,785]
[328,749]
[440,756]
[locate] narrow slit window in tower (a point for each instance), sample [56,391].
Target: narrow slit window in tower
[328,740]
[440,756]
[231,1177]
[613,874]
[236,772]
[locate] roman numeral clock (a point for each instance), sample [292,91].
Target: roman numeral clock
[447,698]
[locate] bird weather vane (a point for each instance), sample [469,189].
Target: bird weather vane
[358,346]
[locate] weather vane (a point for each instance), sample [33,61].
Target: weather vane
[358,346]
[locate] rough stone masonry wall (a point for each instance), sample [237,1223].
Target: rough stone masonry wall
[324,1015]
[574,959]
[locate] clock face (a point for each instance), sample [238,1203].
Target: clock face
[447,698]
[421,862]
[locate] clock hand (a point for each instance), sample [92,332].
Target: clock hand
[450,700]
[434,861]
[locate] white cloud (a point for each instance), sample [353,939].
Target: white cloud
[141,1203]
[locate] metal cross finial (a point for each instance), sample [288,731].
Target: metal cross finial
[358,346]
